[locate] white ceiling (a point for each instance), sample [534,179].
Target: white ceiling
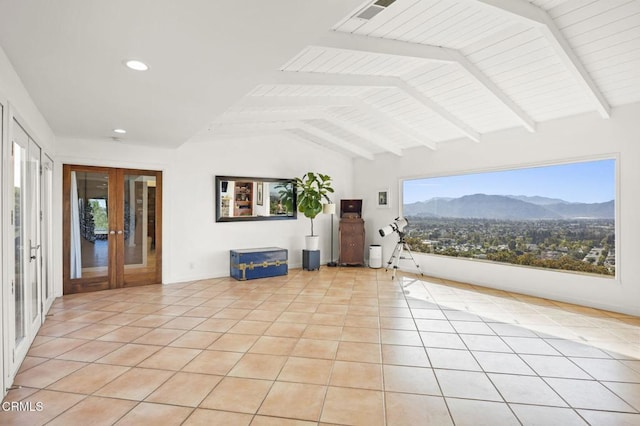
[420,73]
[203,56]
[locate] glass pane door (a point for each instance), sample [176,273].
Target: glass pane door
[25,307]
[140,249]
[88,246]
[19,229]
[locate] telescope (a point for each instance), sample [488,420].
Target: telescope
[398,225]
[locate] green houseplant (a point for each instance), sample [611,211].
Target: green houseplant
[312,189]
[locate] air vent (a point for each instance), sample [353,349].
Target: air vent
[372,10]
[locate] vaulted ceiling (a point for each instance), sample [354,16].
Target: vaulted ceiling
[416,73]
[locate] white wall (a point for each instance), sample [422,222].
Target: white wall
[200,246]
[194,245]
[580,137]
[16,103]
[21,104]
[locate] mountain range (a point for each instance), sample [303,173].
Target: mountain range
[511,207]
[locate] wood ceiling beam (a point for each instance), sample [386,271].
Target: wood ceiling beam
[474,73]
[337,101]
[223,129]
[238,132]
[331,79]
[295,134]
[439,110]
[533,15]
[364,133]
[234,128]
[254,116]
[348,41]
[327,79]
[340,40]
[375,81]
[411,133]
[335,140]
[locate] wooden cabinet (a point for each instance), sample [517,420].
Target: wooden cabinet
[243,199]
[351,241]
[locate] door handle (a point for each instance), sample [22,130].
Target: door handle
[33,248]
[112,232]
[119,232]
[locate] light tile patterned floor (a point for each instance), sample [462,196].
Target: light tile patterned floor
[336,346]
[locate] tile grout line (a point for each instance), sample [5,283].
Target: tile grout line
[232,299]
[424,347]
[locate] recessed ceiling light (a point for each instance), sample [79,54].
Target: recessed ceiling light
[136,65]
[121,131]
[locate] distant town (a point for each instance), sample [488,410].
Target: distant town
[582,244]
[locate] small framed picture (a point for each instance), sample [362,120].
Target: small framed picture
[259,197]
[382,198]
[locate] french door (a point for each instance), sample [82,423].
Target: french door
[25,293]
[112,229]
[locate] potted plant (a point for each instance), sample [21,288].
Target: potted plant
[312,189]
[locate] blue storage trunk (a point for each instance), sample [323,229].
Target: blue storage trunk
[248,264]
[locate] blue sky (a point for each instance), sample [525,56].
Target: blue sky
[586,182]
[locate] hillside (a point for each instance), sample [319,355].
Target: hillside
[508,207]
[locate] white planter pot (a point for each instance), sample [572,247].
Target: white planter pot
[311,242]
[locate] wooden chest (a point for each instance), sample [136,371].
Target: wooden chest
[248,264]
[351,241]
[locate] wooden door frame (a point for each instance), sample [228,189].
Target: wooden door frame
[116,274]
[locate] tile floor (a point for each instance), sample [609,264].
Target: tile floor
[336,346]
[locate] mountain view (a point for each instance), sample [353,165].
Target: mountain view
[508,207]
[561,217]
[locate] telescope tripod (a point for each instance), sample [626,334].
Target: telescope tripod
[396,255]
